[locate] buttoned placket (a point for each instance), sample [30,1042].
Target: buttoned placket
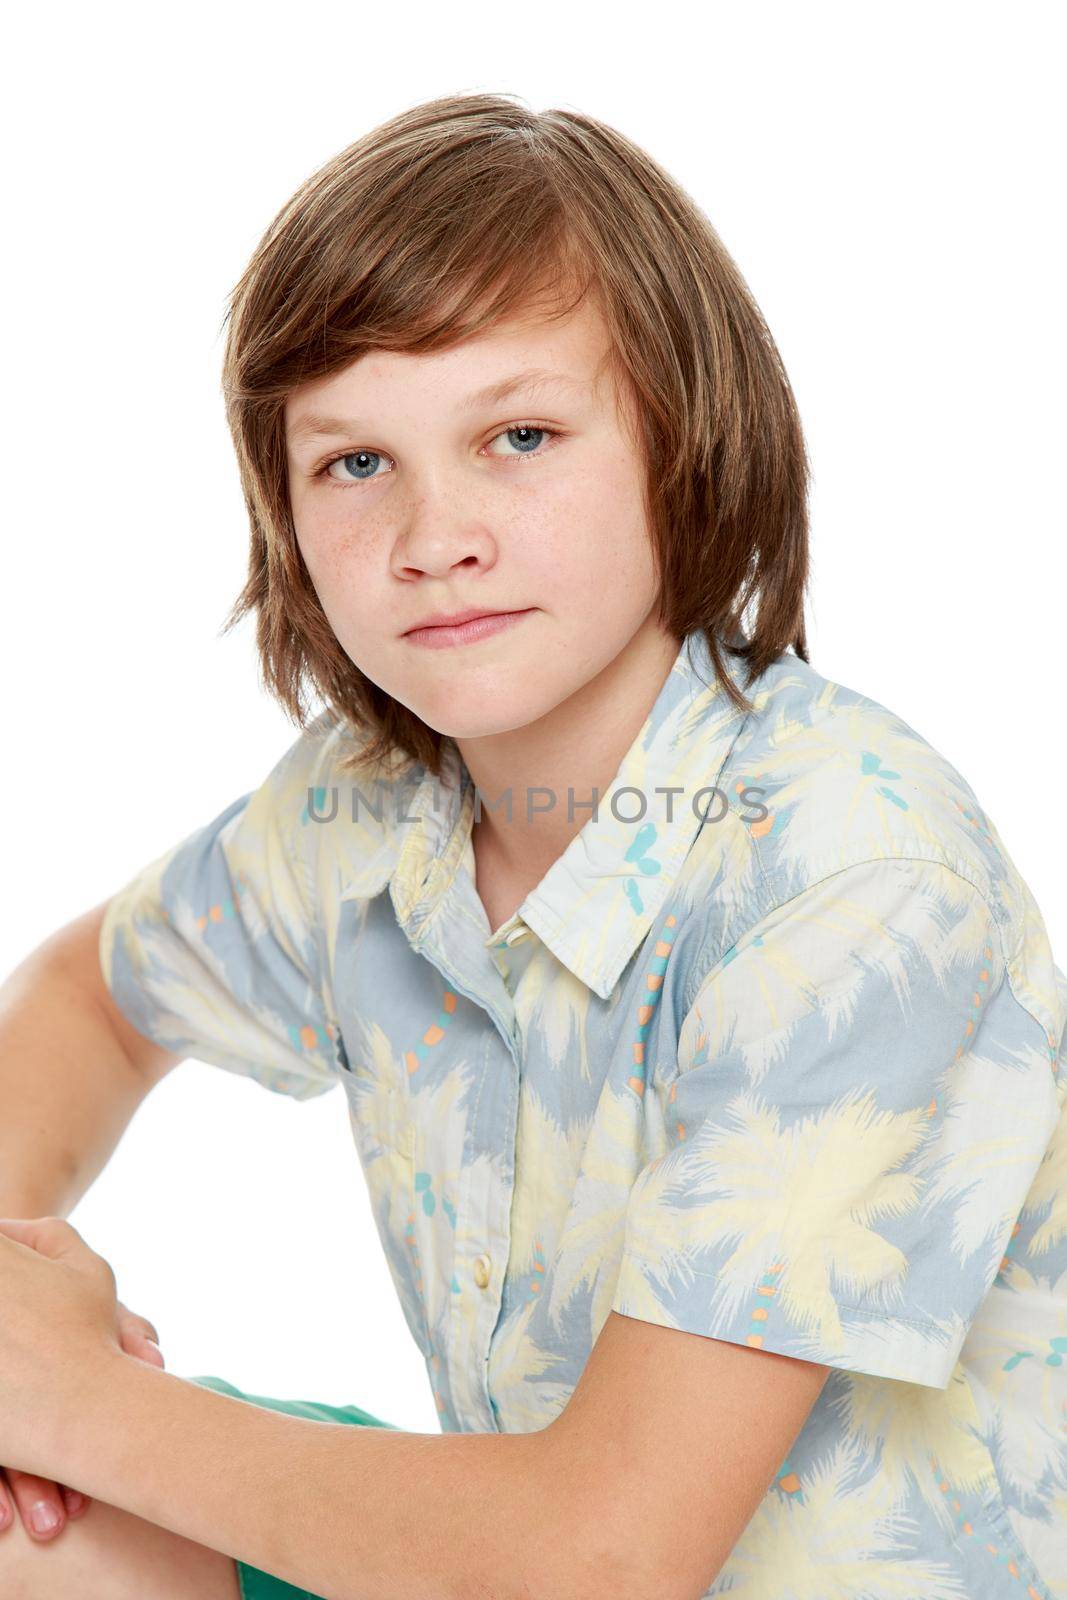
[448,926]
[486,1189]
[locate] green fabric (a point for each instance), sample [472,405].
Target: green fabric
[257,1585]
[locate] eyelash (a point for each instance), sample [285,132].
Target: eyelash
[321,471]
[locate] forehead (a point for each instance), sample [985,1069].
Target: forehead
[535,349]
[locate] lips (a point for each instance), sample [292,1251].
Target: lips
[457,618]
[481,625]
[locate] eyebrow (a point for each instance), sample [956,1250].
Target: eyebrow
[531,380]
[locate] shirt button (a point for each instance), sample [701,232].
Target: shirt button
[482,1268]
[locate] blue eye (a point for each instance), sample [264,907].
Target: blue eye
[525,446]
[362,465]
[360,462]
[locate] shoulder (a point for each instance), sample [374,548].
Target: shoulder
[844,779]
[823,779]
[348,818]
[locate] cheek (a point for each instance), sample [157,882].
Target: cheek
[330,548]
[596,528]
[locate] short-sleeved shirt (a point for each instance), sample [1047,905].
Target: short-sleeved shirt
[773,1053]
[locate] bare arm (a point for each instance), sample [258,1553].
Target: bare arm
[72,1072]
[640,1487]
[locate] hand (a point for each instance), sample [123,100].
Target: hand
[139,1339]
[136,1337]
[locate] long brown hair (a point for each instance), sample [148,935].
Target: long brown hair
[430,229]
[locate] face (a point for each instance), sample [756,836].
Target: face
[414,497]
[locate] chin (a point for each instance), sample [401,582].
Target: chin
[477,721]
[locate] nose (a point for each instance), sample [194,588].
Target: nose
[438,541]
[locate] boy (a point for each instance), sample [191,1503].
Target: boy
[697,1131]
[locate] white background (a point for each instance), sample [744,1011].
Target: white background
[888,178]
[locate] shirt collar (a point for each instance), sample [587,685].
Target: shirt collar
[598,900]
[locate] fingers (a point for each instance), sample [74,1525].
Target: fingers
[138,1336]
[130,1319]
[140,1325]
[44,1507]
[150,1352]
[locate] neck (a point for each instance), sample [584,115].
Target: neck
[576,748]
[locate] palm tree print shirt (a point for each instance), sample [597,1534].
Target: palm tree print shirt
[774,1053]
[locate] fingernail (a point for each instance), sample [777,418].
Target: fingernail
[44,1517]
[5,1516]
[75,1499]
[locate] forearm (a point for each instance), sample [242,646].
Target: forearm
[67,1088]
[349,1513]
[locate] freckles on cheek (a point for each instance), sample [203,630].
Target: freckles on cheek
[329,547]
